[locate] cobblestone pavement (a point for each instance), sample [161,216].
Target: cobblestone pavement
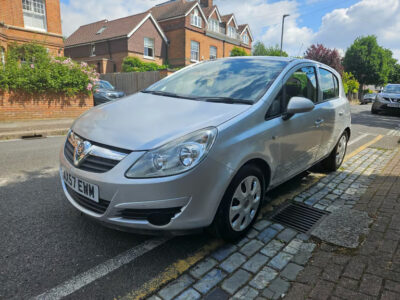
[273,261]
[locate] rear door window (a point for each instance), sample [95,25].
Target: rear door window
[329,85]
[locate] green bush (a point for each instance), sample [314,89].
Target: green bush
[29,68]
[134,64]
[236,51]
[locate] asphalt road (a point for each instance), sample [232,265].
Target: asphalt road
[48,247]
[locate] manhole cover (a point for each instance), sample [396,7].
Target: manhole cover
[298,216]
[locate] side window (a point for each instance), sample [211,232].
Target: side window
[302,83]
[329,85]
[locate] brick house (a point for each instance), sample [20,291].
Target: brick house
[31,21]
[106,43]
[197,31]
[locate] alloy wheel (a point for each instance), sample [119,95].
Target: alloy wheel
[341,150]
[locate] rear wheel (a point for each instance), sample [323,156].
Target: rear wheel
[335,159]
[240,205]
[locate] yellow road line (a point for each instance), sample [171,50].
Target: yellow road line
[179,267]
[361,148]
[172,272]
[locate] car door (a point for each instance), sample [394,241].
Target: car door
[331,107]
[298,136]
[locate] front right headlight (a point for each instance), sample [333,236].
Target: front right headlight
[175,157]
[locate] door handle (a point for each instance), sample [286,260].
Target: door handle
[319,122]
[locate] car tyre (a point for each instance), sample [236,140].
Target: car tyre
[240,205]
[374,111]
[335,159]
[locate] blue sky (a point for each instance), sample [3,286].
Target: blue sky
[335,23]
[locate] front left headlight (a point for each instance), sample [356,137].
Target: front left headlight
[174,157]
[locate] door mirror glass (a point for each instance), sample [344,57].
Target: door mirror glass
[298,105]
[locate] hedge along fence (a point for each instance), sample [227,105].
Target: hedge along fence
[34,85]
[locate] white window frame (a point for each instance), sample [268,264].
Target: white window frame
[34,9]
[231,32]
[213,25]
[149,44]
[245,38]
[2,56]
[194,53]
[212,54]
[195,19]
[92,50]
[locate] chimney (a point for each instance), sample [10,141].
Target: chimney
[206,3]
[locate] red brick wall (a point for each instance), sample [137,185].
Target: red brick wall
[18,106]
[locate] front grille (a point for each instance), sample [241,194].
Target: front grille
[159,217]
[92,163]
[99,207]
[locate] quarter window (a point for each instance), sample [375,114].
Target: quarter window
[149,47]
[194,51]
[302,83]
[195,18]
[34,14]
[329,85]
[213,52]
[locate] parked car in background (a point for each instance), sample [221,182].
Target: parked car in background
[201,147]
[368,98]
[387,100]
[105,92]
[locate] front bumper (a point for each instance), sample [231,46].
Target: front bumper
[196,194]
[382,105]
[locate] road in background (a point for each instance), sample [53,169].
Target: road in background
[46,242]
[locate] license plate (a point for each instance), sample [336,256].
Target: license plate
[396,105]
[82,187]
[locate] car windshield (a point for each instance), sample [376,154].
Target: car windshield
[392,89]
[105,85]
[234,80]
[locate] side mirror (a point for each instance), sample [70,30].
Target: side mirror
[298,105]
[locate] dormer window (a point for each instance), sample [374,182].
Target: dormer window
[34,14]
[195,18]
[213,25]
[232,32]
[245,38]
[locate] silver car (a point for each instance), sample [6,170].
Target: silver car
[201,147]
[387,100]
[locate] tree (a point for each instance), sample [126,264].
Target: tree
[350,83]
[330,57]
[261,50]
[369,62]
[394,75]
[236,51]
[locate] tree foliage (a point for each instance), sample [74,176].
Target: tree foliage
[394,75]
[259,49]
[350,83]
[134,64]
[330,57]
[236,51]
[31,69]
[369,62]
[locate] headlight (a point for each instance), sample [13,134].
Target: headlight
[175,157]
[379,98]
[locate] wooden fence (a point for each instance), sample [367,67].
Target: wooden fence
[132,82]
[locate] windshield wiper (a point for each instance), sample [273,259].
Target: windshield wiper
[226,100]
[167,94]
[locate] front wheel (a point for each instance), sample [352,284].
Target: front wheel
[240,205]
[335,159]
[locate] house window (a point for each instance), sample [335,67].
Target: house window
[92,50]
[149,47]
[34,14]
[194,51]
[213,52]
[101,30]
[2,56]
[213,25]
[245,38]
[195,18]
[231,32]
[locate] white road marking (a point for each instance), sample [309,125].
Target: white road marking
[357,139]
[101,270]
